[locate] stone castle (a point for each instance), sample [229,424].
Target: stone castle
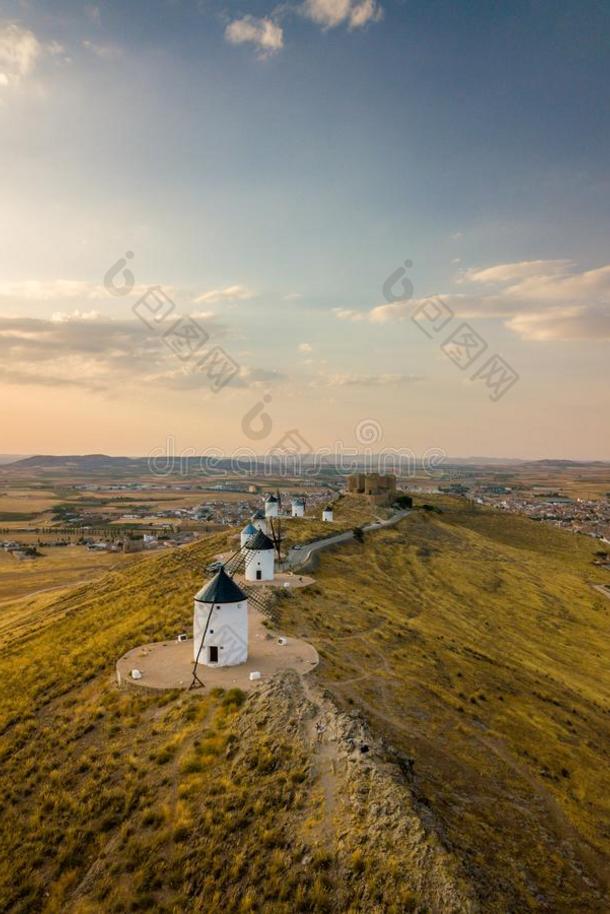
[377,489]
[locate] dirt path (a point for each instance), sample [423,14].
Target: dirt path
[324,744]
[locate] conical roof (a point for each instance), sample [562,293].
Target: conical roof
[258,515]
[221,589]
[249,529]
[271,498]
[259,542]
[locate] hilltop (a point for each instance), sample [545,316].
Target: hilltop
[463,649]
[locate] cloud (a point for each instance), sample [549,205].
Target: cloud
[508,272]
[96,354]
[73,350]
[563,324]
[64,290]
[19,51]
[50,290]
[347,379]
[264,34]
[346,314]
[103,51]
[536,299]
[331,13]
[230,293]
[177,379]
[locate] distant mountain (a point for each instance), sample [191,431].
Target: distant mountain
[84,462]
[11,458]
[162,465]
[550,462]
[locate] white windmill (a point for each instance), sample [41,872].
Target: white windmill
[259,558]
[272,506]
[327,514]
[298,507]
[220,623]
[258,520]
[248,531]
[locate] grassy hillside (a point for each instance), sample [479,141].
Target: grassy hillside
[475,642]
[120,801]
[471,640]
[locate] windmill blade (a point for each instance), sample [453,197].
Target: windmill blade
[276,535]
[262,600]
[237,562]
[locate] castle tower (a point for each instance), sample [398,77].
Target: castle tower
[298,507]
[327,514]
[260,558]
[272,507]
[220,620]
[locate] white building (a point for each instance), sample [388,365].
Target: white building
[298,507]
[327,514]
[258,521]
[248,531]
[272,507]
[220,623]
[260,559]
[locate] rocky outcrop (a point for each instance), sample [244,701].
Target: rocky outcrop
[367,815]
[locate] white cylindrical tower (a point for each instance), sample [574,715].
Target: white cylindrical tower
[220,623]
[298,507]
[260,560]
[272,507]
[327,514]
[258,521]
[248,531]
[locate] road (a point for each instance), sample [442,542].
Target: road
[302,554]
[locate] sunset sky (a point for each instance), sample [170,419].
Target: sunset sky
[270,168]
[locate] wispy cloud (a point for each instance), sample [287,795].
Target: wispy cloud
[348,379]
[103,51]
[536,299]
[264,34]
[230,293]
[19,52]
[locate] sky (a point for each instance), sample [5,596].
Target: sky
[365,223]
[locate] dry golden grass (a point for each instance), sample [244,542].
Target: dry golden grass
[349,512]
[118,801]
[56,567]
[474,641]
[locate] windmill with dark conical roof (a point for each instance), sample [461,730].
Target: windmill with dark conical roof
[220,624]
[259,558]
